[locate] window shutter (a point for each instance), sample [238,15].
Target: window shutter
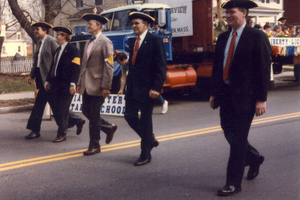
[278,1]
[268,1]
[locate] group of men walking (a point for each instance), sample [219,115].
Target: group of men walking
[240,80]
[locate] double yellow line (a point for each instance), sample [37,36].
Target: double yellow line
[78,153]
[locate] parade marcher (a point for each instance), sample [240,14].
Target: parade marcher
[145,79]
[122,60]
[240,79]
[281,21]
[95,78]
[42,59]
[61,81]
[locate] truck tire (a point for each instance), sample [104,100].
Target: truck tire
[277,68]
[272,85]
[297,73]
[201,91]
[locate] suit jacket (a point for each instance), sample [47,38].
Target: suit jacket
[47,53]
[149,71]
[97,70]
[249,72]
[68,67]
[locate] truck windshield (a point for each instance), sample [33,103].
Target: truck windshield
[118,22]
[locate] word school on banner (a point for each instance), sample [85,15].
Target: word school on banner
[113,105]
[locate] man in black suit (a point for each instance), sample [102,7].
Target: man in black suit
[61,81]
[146,76]
[240,79]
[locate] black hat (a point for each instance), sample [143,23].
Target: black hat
[140,15]
[63,29]
[281,18]
[239,3]
[42,24]
[91,16]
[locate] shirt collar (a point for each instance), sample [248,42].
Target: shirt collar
[143,35]
[43,40]
[63,46]
[98,35]
[239,31]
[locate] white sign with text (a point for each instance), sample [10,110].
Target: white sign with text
[113,105]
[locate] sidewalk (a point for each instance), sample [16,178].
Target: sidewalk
[21,95]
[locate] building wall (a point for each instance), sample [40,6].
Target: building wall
[14,42]
[292,11]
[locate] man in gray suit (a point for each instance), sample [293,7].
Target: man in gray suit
[46,47]
[95,78]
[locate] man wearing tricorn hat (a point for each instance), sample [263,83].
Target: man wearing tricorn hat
[146,76]
[61,81]
[241,73]
[46,47]
[282,21]
[95,78]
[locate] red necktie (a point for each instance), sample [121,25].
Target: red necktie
[136,48]
[55,61]
[229,56]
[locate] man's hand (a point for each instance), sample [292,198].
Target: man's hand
[72,89]
[153,94]
[47,86]
[79,89]
[120,92]
[29,80]
[212,101]
[105,93]
[260,108]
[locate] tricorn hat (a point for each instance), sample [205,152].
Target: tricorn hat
[140,15]
[91,16]
[42,24]
[239,3]
[281,18]
[63,29]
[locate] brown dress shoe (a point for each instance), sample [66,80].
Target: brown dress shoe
[79,126]
[59,139]
[110,134]
[90,152]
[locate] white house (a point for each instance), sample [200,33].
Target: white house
[14,42]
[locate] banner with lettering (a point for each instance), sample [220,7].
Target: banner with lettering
[113,105]
[182,16]
[283,41]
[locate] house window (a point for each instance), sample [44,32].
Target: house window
[79,3]
[3,50]
[98,2]
[19,36]
[19,49]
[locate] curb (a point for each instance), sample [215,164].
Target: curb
[14,109]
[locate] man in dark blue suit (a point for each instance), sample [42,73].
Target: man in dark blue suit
[146,76]
[240,80]
[62,78]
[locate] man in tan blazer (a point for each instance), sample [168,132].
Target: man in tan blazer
[95,78]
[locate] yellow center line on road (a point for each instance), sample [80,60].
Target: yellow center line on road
[124,145]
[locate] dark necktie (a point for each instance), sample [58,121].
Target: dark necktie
[136,49]
[55,61]
[229,56]
[38,45]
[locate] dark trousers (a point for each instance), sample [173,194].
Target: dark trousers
[236,125]
[60,99]
[91,109]
[35,119]
[143,125]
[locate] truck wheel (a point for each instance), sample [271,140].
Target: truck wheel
[297,73]
[277,68]
[201,91]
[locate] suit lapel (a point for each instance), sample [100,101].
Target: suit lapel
[143,45]
[241,45]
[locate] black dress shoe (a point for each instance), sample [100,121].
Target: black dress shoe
[110,134]
[60,139]
[90,152]
[32,135]
[141,161]
[154,144]
[229,190]
[254,168]
[79,126]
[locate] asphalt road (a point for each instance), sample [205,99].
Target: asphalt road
[189,163]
